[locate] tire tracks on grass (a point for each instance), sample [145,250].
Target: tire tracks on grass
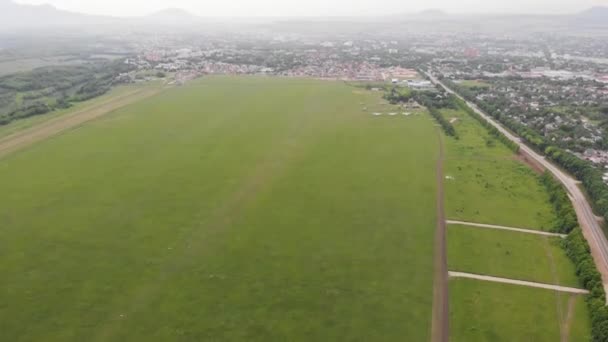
[440,316]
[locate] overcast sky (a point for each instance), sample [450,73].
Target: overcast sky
[317,7]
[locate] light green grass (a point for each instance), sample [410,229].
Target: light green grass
[474,83]
[484,311]
[230,209]
[509,255]
[487,184]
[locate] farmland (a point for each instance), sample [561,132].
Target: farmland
[228,209]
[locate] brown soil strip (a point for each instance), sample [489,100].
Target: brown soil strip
[524,158]
[61,124]
[440,318]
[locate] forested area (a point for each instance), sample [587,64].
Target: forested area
[44,89]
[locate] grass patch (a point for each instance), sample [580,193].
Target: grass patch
[487,184]
[509,255]
[484,311]
[228,209]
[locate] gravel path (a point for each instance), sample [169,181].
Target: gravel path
[520,230]
[517,282]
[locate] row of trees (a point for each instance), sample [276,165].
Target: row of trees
[566,221]
[447,127]
[578,251]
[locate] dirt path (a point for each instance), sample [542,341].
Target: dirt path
[61,124]
[517,282]
[568,320]
[440,319]
[520,230]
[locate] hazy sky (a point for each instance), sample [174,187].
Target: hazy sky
[317,7]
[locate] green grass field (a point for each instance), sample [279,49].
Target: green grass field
[246,208]
[487,184]
[509,255]
[482,311]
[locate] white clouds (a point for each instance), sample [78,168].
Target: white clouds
[316,7]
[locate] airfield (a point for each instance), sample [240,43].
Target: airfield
[259,208]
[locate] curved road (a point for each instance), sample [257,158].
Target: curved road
[587,220]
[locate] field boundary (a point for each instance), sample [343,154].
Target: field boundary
[574,290]
[513,229]
[440,318]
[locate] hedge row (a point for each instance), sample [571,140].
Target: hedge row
[578,250]
[566,221]
[447,127]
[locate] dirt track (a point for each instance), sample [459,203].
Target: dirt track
[440,320]
[513,229]
[61,124]
[518,282]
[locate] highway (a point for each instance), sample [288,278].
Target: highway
[586,218]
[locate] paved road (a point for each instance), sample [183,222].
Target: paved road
[517,282]
[587,220]
[513,229]
[441,314]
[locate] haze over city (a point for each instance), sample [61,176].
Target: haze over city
[318,7]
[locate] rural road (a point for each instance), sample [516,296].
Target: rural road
[440,316]
[589,224]
[513,229]
[63,123]
[518,282]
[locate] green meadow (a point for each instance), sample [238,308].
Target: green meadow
[249,209]
[509,254]
[482,311]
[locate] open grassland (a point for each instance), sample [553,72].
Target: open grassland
[509,254]
[487,184]
[251,209]
[482,311]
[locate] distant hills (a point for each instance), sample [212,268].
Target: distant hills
[14,16]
